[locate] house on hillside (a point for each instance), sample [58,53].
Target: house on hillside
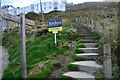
[46,8]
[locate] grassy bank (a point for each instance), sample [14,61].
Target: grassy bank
[40,52]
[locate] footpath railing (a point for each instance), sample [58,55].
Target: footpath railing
[104,33]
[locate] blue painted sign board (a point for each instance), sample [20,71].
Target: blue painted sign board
[54,23]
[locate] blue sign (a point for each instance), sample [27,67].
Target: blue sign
[54,23]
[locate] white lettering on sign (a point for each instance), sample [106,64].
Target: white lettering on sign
[54,23]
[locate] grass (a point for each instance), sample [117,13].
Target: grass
[99,74]
[62,77]
[75,58]
[57,64]
[78,51]
[80,45]
[38,49]
[72,67]
[46,70]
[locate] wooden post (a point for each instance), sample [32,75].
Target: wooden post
[92,25]
[87,22]
[118,46]
[7,21]
[23,47]
[0,43]
[0,25]
[97,26]
[42,12]
[107,55]
[83,21]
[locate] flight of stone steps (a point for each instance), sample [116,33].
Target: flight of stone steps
[87,68]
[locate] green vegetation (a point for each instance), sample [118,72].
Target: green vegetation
[80,45]
[40,52]
[38,49]
[99,74]
[57,64]
[32,16]
[78,51]
[72,67]
[75,58]
[61,77]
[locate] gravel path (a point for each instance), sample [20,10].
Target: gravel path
[4,60]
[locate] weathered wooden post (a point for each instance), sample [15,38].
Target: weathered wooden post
[87,21]
[97,26]
[83,20]
[107,55]
[118,46]
[0,25]
[92,26]
[0,43]
[23,46]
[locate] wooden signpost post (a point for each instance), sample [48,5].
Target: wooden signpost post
[0,43]
[107,55]
[23,46]
[0,25]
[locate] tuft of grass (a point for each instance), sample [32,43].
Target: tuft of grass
[62,77]
[78,51]
[75,58]
[99,74]
[57,64]
[72,67]
[80,45]
[46,71]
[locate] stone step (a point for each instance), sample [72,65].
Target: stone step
[86,34]
[89,50]
[88,55]
[87,41]
[88,37]
[88,66]
[90,45]
[79,75]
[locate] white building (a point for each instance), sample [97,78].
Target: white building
[46,8]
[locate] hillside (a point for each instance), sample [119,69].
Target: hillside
[41,52]
[43,58]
